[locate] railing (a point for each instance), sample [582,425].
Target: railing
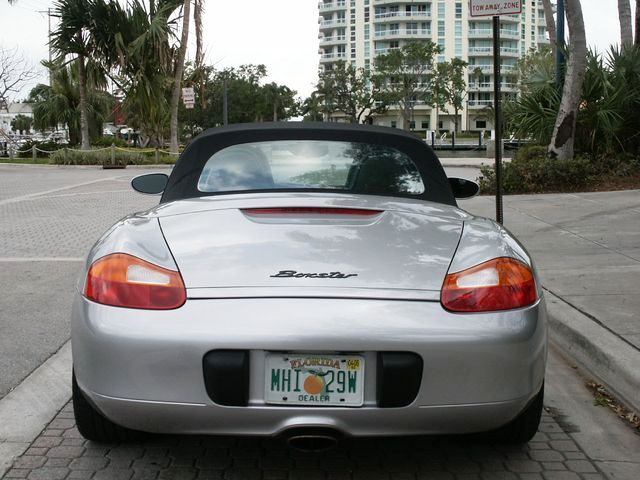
[336,55]
[487,32]
[399,14]
[331,6]
[333,22]
[480,103]
[402,33]
[336,38]
[489,68]
[489,86]
[489,50]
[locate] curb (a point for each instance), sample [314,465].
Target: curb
[609,358]
[27,409]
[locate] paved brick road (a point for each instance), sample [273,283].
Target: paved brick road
[61,453]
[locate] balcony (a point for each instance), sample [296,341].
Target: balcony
[387,2]
[480,103]
[333,57]
[543,40]
[382,51]
[488,69]
[488,87]
[332,6]
[333,23]
[336,39]
[488,33]
[488,51]
[395,16]
[402,33]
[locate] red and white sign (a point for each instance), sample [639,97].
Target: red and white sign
[490,8]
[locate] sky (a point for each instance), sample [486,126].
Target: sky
[282,34]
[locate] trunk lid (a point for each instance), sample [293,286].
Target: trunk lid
[400,250]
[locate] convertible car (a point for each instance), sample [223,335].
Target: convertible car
[313,281]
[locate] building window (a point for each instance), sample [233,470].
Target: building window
[412,125]
[394,124]
[441,28]
[425,125]
[481,124]
[458,10]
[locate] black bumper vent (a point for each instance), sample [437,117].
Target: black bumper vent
[399,377]
[226,377]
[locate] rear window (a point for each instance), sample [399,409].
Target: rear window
[311,165]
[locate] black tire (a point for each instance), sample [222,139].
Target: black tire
[522,428]
[92,425]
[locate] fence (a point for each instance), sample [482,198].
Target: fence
[108,157]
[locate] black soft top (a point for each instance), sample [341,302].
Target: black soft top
[183,180]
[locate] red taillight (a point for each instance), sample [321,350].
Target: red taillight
[499,284]
[123,280]
[310,211]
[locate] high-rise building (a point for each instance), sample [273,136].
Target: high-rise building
[356,31]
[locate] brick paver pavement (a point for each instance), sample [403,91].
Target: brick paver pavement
[61,453]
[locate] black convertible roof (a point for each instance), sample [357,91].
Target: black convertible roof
[184,177]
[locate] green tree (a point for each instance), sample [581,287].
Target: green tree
[72,41]
[312,108]
[353,91]
[137,46]
[407,74]
[452,87]
[21,123]
[249,100]
[58,103]
[278,102]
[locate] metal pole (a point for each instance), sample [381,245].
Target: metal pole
[560,60]
[498,117]
[225,111]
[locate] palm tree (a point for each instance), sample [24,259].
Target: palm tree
[637,24]
[564,131]
[72,42]
[624,14]
[177,79]
[58,103]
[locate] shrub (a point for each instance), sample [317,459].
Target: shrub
[101,157]
[531,171]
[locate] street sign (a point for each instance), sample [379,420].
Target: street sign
[490,8]
[188,97]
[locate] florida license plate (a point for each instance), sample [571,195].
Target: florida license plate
[314,380]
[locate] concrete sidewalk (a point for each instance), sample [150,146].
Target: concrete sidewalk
[587,250]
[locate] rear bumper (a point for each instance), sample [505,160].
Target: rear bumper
[143,369]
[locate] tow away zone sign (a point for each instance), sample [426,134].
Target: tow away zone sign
[490,8]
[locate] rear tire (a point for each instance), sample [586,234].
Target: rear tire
[92,425]
[522,428]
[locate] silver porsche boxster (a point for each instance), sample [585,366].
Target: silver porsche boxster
[311,281]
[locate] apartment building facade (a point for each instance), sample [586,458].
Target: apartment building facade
[356,31]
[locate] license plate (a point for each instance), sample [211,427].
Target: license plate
[314,380]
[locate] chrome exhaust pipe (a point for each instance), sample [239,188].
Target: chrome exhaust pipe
[312,440]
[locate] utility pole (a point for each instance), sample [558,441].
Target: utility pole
[48,12]
[225,110]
